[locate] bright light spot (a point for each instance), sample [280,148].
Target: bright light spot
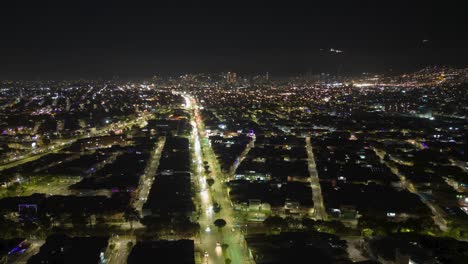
[359,85]
[219,251]
[209,210]
[203,182]
[205,197]
[188,104]
[207,229]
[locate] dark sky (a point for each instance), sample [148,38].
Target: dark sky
[129,39]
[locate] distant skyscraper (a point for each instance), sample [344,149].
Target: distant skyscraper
[231,77]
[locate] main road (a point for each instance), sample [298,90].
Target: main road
[146,180]
[211,238]
[23,258]
[438,213]
[63,143]
[119,254]
[319,209]
[121,250]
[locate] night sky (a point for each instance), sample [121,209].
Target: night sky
[131,40]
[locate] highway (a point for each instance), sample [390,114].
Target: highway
[209,234]
[34,155]
[61,144]
[319,208]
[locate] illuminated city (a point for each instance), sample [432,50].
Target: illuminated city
[229,163]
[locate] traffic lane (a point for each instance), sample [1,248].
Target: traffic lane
[219,193]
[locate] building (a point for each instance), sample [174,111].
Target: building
[424,112]
[231,77]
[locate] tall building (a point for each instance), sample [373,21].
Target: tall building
[231,77]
